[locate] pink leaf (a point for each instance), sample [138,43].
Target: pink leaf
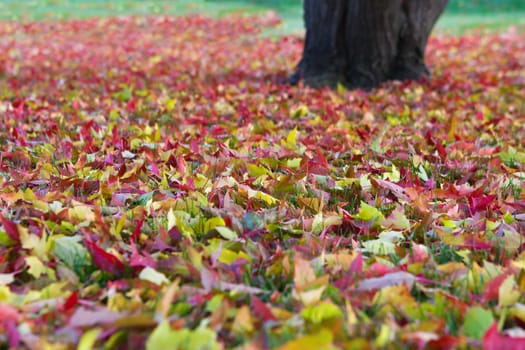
[493,340]
[390,279]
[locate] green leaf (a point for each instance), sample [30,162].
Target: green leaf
[213,223]
[143,199]
[318,224]
[166,338]
[256,171]
[180,219]
[321,312]
[322,340]
[380,247]
[368,213]
[251,221]
[477,321]
[5,240]
[512,156]
[70,251]
[300,111]
[226,233]
[422,173]
[294,163]
[394,175]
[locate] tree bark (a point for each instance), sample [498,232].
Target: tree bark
[361,43]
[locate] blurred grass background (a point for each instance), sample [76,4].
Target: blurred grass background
[460,16]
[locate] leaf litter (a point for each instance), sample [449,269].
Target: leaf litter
[160,188]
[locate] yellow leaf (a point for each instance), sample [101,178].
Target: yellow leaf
[195,257]
[340,259]
[37,245]
[350,315]
[134,321]
[36,267]
[394,175]
[508,292]
[170,104]
[81,213]
[222,107]
[518,311]
[256,171]
[243,323]
[512,240]
[87,342]
[310,297]
[262,196]
[453,127]
[311,203]
[5,294]
[397,220]
[397,298]
[213,223]
[166,301]
[322,340]
[291,139]
[120,225]
[385,336]
[227,256]
[304,274]
[345,182]
[30,196]
[300,111]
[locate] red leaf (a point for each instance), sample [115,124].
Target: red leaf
[136,233]
[356,267]
[228,221]
[492,288]
[71,302]
[475,244]
[11,229]
[138,260]
[441,151]
[107,262]
[443,343]
[493,340]
[481,203]
[261,310]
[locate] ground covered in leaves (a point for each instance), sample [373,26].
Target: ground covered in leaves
[159,188]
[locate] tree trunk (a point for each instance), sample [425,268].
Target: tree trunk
[361,43]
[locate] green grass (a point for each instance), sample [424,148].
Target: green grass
[460,23]
[461,15]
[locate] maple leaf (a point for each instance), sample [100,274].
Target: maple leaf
[105,261]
